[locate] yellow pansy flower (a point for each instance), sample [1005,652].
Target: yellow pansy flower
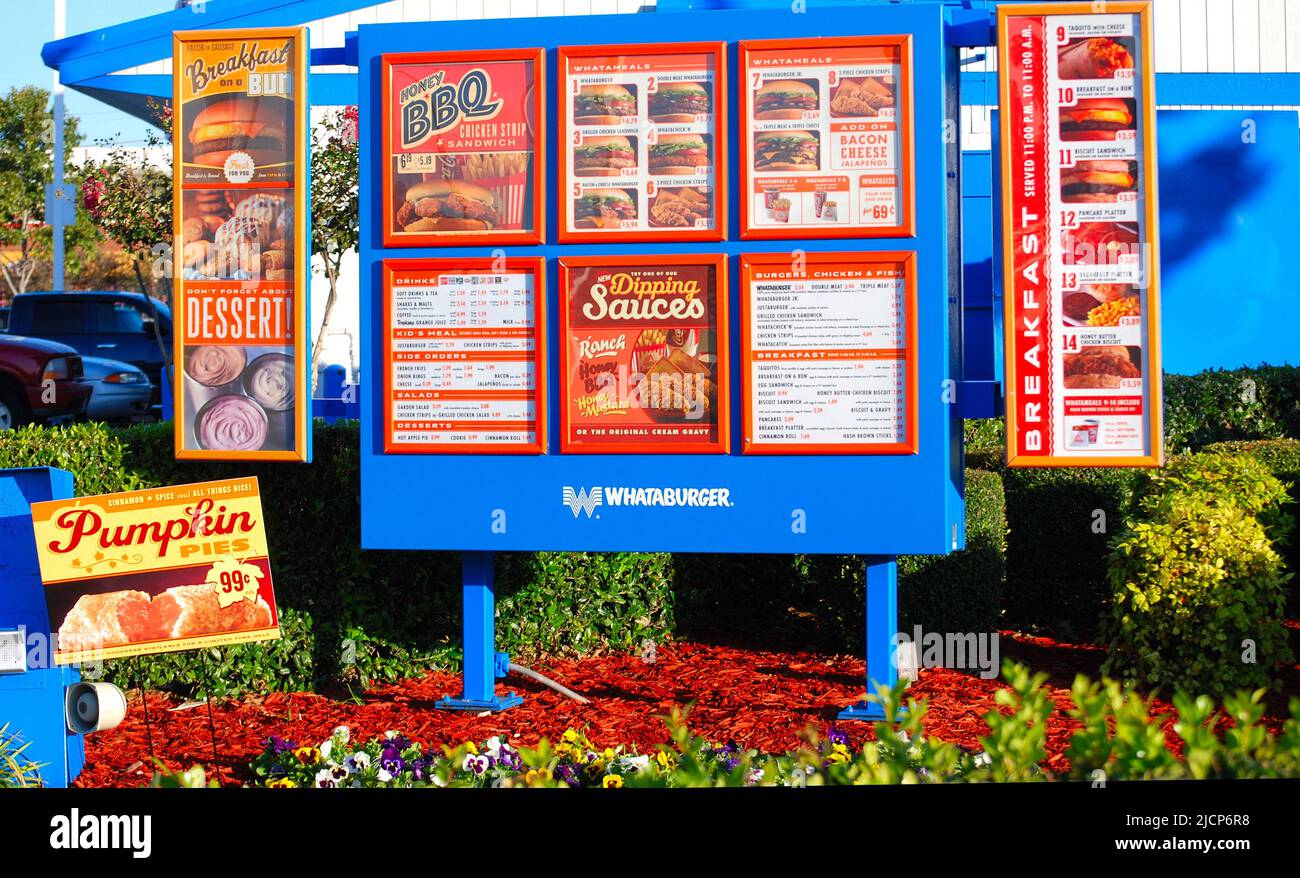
[308,755]
[612,781]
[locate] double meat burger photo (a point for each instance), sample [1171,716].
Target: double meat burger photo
[678,102]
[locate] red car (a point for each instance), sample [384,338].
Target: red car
[40,382]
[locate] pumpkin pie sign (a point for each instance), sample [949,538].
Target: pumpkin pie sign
[644,354]
[160,570]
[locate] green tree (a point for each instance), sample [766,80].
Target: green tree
[26,165]
[334,206]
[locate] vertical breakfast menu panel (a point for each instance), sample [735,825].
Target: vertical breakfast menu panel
[465,356]
[1083,369]
[242,259]
[826,137]
[641,144]
[829,353]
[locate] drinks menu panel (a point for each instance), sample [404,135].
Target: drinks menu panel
[826,138]
[641,144]
[465,356]
[1079,212]
[829,353]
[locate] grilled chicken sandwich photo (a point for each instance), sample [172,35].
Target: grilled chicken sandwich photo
[603,156]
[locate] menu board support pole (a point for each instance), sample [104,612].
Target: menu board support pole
[479,671]
[882,628]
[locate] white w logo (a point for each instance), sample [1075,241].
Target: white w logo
[583,500]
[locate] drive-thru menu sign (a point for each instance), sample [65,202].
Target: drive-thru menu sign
[829,353]
[1079,231]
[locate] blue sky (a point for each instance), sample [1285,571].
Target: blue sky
[29,24]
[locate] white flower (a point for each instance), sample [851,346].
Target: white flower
[357,762]
[493,745]
[474,764]
[325,779]
[383,776]
[635,763]
[390,734]
[754,776]
[326,749]
[437,780]
[342,733]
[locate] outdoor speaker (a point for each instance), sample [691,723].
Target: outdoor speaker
[94,707]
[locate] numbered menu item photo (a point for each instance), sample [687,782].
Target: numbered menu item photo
[828,347]
[641,146]
[241,356]
[465,356]
[826,139]
[463,162]
[1080,231]
[643,355]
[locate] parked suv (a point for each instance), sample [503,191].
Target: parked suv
[40,381]
[116,325]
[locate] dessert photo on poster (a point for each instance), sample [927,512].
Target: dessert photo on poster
[643,354]
[463,159]
[825,150]
[641,142]
[236,126]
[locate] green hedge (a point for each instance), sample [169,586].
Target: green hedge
[818,599]
[1231,404]
[351,616]
[1060,521]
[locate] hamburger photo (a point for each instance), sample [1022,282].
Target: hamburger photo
[255,126]
[1097,182]
[603,105]
[786,151]
[784,99]
[678,102]
[603,156]
[679,154]
[603,208]
[447,206]
[1096,119]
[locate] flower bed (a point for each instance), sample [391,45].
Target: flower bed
[764,701]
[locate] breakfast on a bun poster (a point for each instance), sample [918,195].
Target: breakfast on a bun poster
[1079,206]
[464,161]
[825,150]
[640,142]
[643,354]
[241,229]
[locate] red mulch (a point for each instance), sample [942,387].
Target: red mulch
[758,698]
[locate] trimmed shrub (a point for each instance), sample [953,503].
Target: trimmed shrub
[91,452]
[1226,404]
[1059,523]
[1198,599]
[818,599]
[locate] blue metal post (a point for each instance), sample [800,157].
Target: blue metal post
[32,703]
[882,627]
[483,664]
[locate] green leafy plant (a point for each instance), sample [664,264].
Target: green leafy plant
[334,206]
[16,770]
[1199,595]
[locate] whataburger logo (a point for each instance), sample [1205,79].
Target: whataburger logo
[586,500]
